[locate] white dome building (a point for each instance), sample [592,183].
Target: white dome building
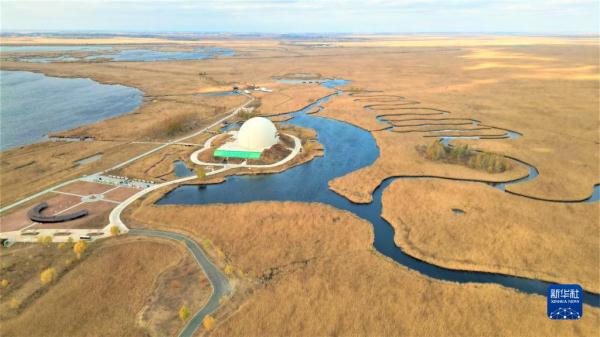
[256,135]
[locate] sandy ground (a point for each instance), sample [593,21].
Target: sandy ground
[315,273]
[92,299]
[499,232]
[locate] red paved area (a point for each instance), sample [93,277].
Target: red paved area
[86,188]
[18,219]
[97,217]
[121,193]
[57,202]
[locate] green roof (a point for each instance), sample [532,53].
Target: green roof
[237,154]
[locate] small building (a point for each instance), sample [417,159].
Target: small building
[255,135]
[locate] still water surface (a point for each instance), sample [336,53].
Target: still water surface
[33,105]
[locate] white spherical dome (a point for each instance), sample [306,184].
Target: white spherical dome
[257,134]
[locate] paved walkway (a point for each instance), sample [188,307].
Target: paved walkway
[207,145]
[158,148]
[217,280]
[220,284]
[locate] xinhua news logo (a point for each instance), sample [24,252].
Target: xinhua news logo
[565,302]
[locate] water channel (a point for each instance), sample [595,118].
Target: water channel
[347,148]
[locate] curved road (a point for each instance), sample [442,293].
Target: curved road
[218,281]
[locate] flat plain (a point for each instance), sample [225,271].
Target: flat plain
[310,269]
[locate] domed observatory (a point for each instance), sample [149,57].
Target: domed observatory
[256,135]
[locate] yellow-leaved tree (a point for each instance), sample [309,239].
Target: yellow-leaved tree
[79,248]
[200,173]
[209,322]
[114,230]
[184,313]
[48,275]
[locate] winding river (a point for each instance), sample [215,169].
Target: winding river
[347,148]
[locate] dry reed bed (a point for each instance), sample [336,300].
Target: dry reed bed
[499,232]
[315,273]
[39,166]
[103,294]
[398,157]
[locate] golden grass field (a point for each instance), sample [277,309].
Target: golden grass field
[314,272]
[544,238]
[123,287]
[310,269]
[399,157]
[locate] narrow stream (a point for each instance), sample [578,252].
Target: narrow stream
[347,148]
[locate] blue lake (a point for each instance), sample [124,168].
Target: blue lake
[33,105]
[28,49]
[110,54]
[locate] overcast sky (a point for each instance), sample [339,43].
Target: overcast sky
[290,16]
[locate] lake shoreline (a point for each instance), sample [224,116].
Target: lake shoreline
[62,103]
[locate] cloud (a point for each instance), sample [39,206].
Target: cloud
[305,15]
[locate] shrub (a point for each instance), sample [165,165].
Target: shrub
[209,322]
[246,114]
[79,248]
[48,275]
[14,303]
[61,246]
[462,154]
[4,283]
[46,240]
[177,124]
[201,173]
[254,104]
[228,269]
[173,125]
[354,90]
[184,313]
[115,230]
[491,162]
[436,151]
